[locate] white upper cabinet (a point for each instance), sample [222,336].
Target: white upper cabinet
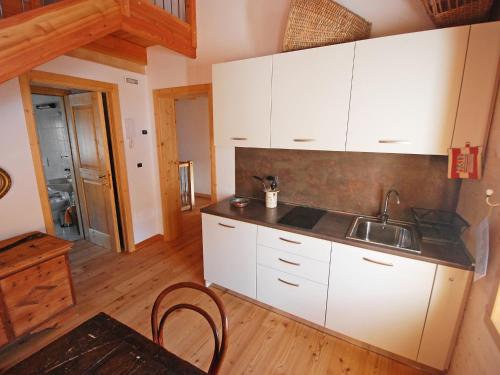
[310,98]
[405,92]
[479,84]
[242,102]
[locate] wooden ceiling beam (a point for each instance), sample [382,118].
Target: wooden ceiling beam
[33,38]
[119,48]
[159,28]
[105,59]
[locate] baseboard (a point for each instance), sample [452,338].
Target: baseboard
[148,241]
[203,195]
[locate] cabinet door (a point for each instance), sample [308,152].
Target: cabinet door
[310,98]
[230,254]
[242,102]
[479,85]
[378,298]
[405,92]
[295,295]
[444,315]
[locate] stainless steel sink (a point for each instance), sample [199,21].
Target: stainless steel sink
[394,234]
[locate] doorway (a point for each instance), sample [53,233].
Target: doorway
[57,161]
[72,131]
[180,113]
[86,189]
[193,145]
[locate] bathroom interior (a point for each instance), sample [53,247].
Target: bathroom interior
[57,159]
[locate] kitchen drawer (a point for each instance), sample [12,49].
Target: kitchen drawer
[295,295]
[293,264]
[305,246]
[230,253]
[36,294]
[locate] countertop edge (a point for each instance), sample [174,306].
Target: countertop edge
[346,241]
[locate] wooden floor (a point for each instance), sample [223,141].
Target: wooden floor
[260,341]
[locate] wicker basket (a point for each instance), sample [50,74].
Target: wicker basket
[445,13]
[315,23]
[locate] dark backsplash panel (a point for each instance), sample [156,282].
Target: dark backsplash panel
[349,181]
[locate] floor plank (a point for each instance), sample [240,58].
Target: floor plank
[260,341]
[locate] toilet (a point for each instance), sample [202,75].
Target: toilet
[58,204]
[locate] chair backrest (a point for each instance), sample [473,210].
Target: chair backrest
[220,340]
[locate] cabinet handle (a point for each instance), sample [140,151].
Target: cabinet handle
[226,226]
[290,241]
[239,138]
[288,262]
[287,282]
[378,262]
[395,141]
[303,139]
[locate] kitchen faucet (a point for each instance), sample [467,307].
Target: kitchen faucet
[384,216]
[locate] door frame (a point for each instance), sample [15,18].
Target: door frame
[166,141]
[64,82]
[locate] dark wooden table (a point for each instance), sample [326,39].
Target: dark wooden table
[102,345]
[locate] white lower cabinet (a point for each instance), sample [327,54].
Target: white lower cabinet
[295,295]
[378,298]
[229,254]
[404,306]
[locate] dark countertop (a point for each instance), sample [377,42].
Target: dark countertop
[333,226]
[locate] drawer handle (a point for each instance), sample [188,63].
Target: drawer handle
[288,282]
[378,262]
[226,226]
[239,138]
[290,241]
[288,262]
[303,139]
[395,141]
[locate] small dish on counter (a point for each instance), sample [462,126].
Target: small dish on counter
[240,202]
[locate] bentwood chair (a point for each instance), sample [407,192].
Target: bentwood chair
[220,340]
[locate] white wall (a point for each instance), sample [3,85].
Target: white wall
[232,30]
[20,209]
[135,102]
[390,17]
[477,350]
[193,139]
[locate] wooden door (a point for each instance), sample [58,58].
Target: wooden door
[242,102]
[310,98]
[378,298]
[92,168]
[405,92]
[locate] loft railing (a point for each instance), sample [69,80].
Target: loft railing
[176,8]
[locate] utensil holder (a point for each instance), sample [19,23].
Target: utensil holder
[271,198]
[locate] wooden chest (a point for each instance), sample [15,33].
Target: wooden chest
[35,284]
